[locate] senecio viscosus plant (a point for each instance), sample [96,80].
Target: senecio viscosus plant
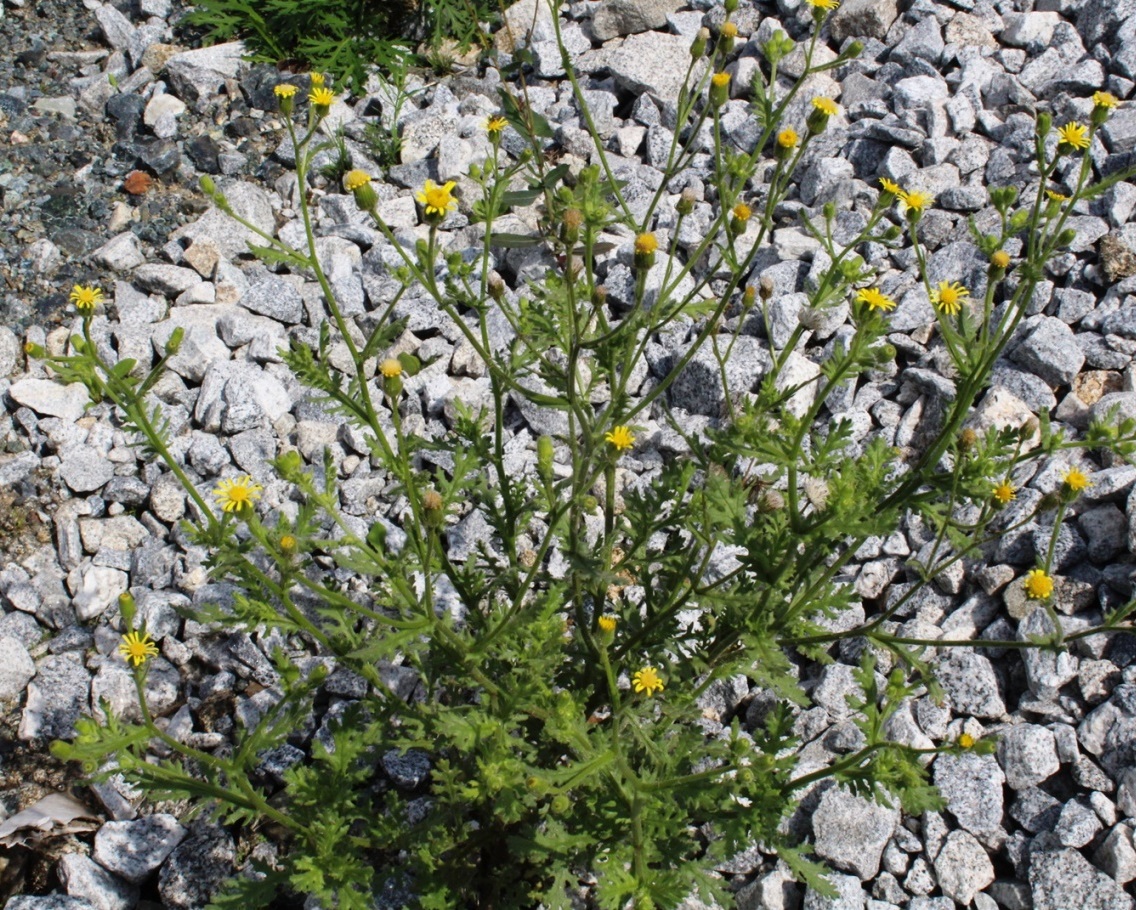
[560,674]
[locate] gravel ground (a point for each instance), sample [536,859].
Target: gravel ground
[941,100]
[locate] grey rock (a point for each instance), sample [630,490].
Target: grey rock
[698,388]
[1046,672]
[197,75]
[1033,31]
[972,786]
[1117,856]
[924,41]
[230,237]
[51,399]
[1035,810]
[969,681]
[851,832]
[1077,825]
[195,869]
[9,351]
[116,28]
[1061,878]
[84,469]
[114,684]
[86,879]
[642,65]
[16,668]
[629,17]
[1028,755]
[99,587]
[1048,350]
[57,697]
[134,849]
[1105,529]
[275,298]
[1120,130]
[850,895]
[161,278]
[863,19]
[963,867]
[407,770]
[119,254]
[48,902]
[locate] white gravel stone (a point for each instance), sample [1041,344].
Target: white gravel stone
[51,399]
[134,849]
[86,879]
[16,669]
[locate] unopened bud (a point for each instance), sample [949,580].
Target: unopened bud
[127,607]
[967,439]
[1066,237]
[173,345]
[208,187]
[433,511]
[496,286]
[685,204]
[544,454]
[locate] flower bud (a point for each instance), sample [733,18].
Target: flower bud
[719,89]
[967,439]
[698,46]
[731,6]
[34,350]
[1066,237]
[685,204]
[749,295]
[739,218]
[173,345]
[544,453]
[1049,502]
[358,183]
[496,287]
[1044,124]
[787,141]
[127,607]
[599,296]
[433,509]
[726,37]
[855,49]
[645,246]
[208,187]
[573,218]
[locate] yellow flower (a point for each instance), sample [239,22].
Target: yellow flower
[720,79]
[284,90]
[947,297]
[353,180]
[1074,134]
[823,4]
[288,544]
[875,299]
[621,437]
[829,108]
[742,212]
[391,367]
[233,495]
[967,741]
[1056,197]
[915,200]
[890,186]
[607,623]
[1105,99]
[1038,585]
[137,648]
[495,124]
[788,138]
[437,200]
[1003,492]
[316,79]
[647,680]
[1076,481]
[321,97]
[645,244]
[86,298]
[1000,259]
[729,30]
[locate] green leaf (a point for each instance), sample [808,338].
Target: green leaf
[514,241]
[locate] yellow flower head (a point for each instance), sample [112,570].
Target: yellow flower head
[86,298]
[437,200]
[890,186]
[621,437]
[1056,196]
[137,648]
[391,367]
[647,680]
[321,97]
[875,299]
[788,138]
[495,124]
[915,200]
[288,544]
[284,90]
[1000,259]
[645,244]
[235,494]
[742,212]
[1075,481]
[729,30]
[721,80]
[1003,492]
[1074,134]
[823,4]
[1038,585]
[827,106]
[948,296]
[967,741]
[1105,100]
[607,623]
[316,79]
[352,180]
